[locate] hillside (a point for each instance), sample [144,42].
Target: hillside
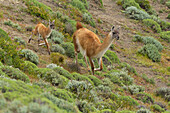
[136,68]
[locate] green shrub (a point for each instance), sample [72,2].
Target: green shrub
[95,80]
[104,91]
[63,94]
[56,37]
[88,19]
[146,6]
[112,56]
[106,60]
[19,40]
[107,82]
[168,17]
[69,49]
[151,81]
[144,97]
[165,35]
[29,55]
[62,104]
[78,4]
[51,66]
[149,40]
[38,9]
[164,25]
[133,89]
[164,93]
[128,67]
[8,52]
[3,102]
[82,89]
[157,108]
[16,89]
[51,76]
[57,58]
[63,72]
[168,68]
[136,14]
[15,73]
[143,110]
[128,101]
[151,51]
[10,23]
[85,107]
[128,3]
[123,77]
[152,24]
[28,67]
[80,77]
[57,48]
[168,4]
[1,64]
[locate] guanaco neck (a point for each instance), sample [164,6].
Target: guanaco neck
[105,45]
[48,31]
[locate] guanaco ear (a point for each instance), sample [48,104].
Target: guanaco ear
[53,21]
[112,28]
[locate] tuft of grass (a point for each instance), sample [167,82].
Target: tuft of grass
[57,58]
[165,35]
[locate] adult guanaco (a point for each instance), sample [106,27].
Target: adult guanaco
[43,32]
[88,43]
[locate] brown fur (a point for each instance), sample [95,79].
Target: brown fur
[44,31]
[91,44]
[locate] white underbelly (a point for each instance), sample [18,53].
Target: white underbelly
[82,51]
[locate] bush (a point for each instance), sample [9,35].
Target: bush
[80,77]
[112,56]
[128,3]
[95,80]
[62,104]
[3,102]
[63,72]
[51,76]
[8,52]
[58,48]
[136,14]
[10,23]
[56,37]
[157,108]
[165,35]
[29,55]
[128,67]
[164,25]
[88,19]
[15,73]
[143,110]
[151,81]
[57,58]
[28,67]
[168,4]
[168,17]
[133,89]
[51,66]
[1,64]
[85,107]
[78,4]
[69,49]
[164,93]
[146,6]
[19,40]
[104,91]
[152,24]
[63,94]
[149,40]
[128,101]
[144,97]
[123,77]
[38,9]
[82,89]
[151,51]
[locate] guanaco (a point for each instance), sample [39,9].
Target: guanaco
[44,32]
[88,44]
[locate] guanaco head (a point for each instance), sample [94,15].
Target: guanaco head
[51,24]
[114,33]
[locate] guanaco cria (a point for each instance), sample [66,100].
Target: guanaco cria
[88,43]
[44,32]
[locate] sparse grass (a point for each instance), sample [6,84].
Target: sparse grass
[13,25]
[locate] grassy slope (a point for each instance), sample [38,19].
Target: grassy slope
[126,53]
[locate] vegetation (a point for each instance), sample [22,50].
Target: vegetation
[39,83]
